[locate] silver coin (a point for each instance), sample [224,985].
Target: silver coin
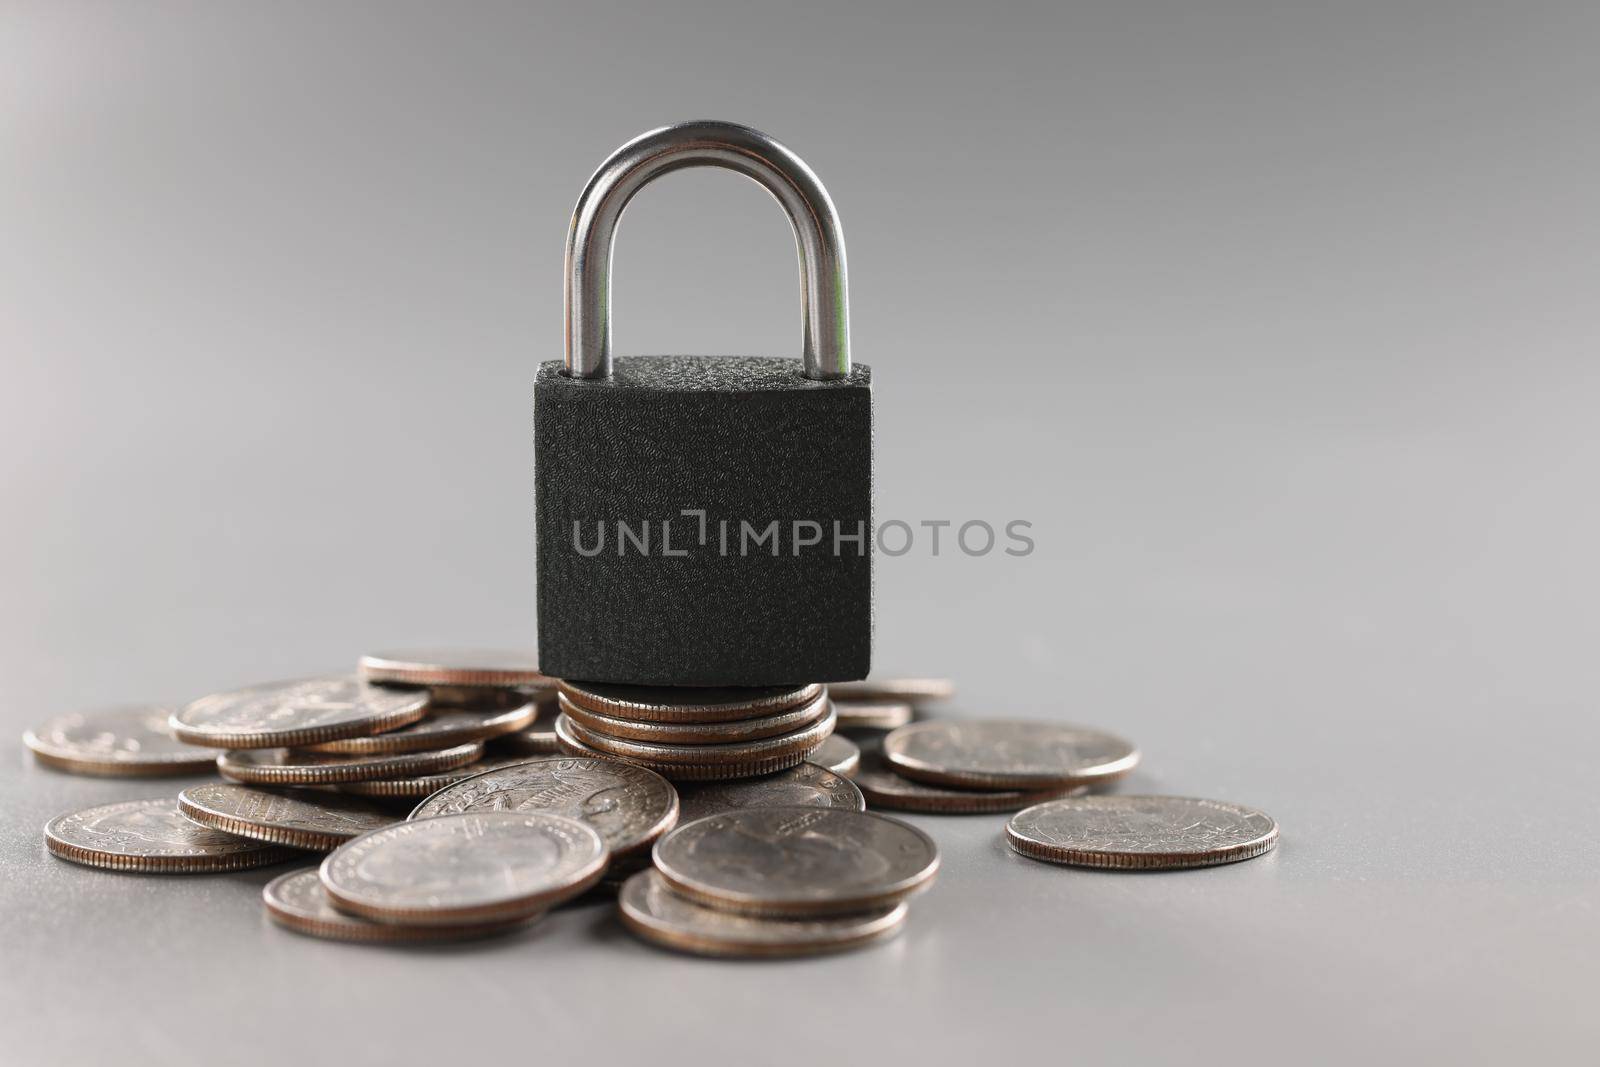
[316,820]
[686,704]
[698,733]
[486,697]
[1007,754]
[471,868]
[873,714]
[122,742]
[297,901]
[839,754]
[293,766]
[441,728]
[630,806]
[914,690]
[1141,833]
[537,740]
[650,909]
[477,667]
[885,789]
[152,836]
[789,862]
[415,787]
[308,711]
[808,785]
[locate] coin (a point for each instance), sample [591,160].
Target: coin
[415,787]
[685,704]
[797,862]
[1141,833]
[690,733]
[455,667]
[702,762]
[293,766]
[122,742]
[885,789]
[650,909]
[808,785]
[485,697]
[152,836]
[839,754]
[914,690]
[480,866]
[630,806]
[537,740]
[1007,754]
[441,728]
[298,818]
[304,712]
[297,901]
[873,714]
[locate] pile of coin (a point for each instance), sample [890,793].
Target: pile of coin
[726,822]
[779,881]
[696,735]
[886,703]
[953,767]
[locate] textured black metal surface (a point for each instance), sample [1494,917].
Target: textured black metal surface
[747,440]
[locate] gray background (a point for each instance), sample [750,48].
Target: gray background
[1278,324]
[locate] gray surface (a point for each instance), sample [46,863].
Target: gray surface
[1304,305]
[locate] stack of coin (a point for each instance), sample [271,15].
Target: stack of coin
[690,735]
[879,704]
[345,731]
[779,881]
[989,765]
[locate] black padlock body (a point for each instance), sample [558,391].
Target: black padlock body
[749,441]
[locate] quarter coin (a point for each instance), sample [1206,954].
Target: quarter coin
[484,697]
[630,806]
[797,862]
[121,742]
[873,714]
[692,733]
[808,785]
[537,740]
[839,754]
[152,836]
[304,712]
[299,818]
[885,789]
[497,667]
[915,690]
[1141,833]
[442,728]
[685,704]
[293,766]
[415,787]
[476,867]
[297,901]
[651,910]
[1007,754]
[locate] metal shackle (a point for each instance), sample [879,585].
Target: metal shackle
[824,291]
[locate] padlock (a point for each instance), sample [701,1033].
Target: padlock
[704,520]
